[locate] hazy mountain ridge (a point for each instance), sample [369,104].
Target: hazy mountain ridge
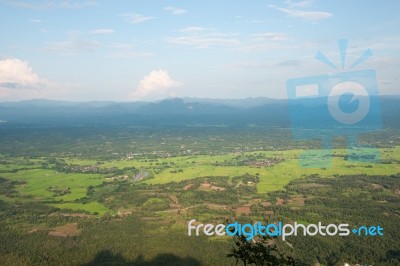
[274,111]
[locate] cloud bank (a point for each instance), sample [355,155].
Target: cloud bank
[19,82]
[154,86]
[17,74]
[135,18]
[175,10]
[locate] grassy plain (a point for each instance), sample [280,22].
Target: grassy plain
[38,182]
[271,178]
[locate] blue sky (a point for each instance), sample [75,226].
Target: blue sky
[149,50]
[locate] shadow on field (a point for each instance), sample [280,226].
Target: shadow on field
[106,257]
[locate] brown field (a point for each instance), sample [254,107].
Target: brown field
[243,210]
[65,230]
[279,201]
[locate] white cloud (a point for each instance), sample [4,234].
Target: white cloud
[202,41]
[129,54]
[18,82]
[61,4]
[74,43]
[35,20]
[156,85]
[195,29]
[241,19]
[127,51]
[265,41]
[273,36]
[300,4]
[17,74]
[200,37]
[289,63]
[102,31]
[294,9]
[309,15]
[135,18]
[264,64]
[247,65]
[175,10]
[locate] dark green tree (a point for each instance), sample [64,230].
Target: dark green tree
[261,251]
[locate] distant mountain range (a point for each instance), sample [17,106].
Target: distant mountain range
[176,110]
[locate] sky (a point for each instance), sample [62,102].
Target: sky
[149,50]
